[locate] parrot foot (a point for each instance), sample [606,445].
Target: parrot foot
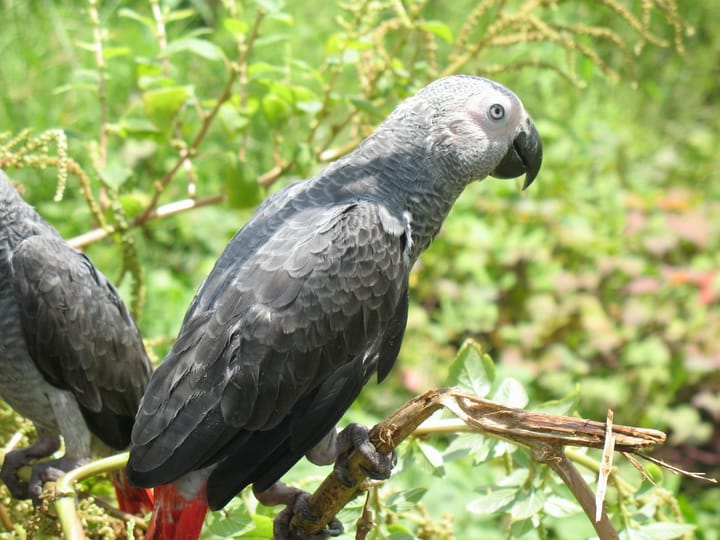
[296,503]
[355,437]
[17,459]
[51,471]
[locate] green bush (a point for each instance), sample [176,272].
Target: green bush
[159,126]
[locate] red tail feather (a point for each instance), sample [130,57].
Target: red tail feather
[174,517]
[131,499]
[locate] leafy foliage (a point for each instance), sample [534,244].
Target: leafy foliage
[161,125]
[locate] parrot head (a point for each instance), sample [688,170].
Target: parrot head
[481,128]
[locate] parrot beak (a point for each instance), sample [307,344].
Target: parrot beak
[523,157]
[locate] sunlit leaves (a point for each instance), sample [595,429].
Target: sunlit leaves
[235,521]
[202,48]
[162,104]
[241,183]
[438,29]
[472,370]
[511,393]
[496,500]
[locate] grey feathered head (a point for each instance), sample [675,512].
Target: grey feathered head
[475,127]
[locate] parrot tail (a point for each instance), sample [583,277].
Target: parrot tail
[131,499]
[174,517]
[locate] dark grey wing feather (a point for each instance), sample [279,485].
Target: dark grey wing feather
[80,334]
[286,311]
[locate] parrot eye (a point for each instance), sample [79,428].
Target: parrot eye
[497,111]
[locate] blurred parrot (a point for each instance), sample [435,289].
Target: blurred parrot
[71,358]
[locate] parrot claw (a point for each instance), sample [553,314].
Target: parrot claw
[355,437]
[296,503]
[50,471]
[15,460]
[282,524]
[9,474]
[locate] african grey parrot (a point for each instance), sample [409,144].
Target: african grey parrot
[308,301]
[71,357]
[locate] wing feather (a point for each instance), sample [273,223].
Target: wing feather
[80,334]
[281,321]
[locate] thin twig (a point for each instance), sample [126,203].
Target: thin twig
[102,77]
[5,518]
[163,211]
[65,492]
[555,458]
[605,466]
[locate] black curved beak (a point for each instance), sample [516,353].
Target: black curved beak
[523,157]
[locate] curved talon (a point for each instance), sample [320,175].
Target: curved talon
[282,523]
[19,489]
[45,445]
[356,436]
[383,469]
[333,529]
[50,471]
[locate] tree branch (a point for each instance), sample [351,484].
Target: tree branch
[544,434]
[163,211]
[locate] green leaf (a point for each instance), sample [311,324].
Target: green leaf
[274,108]
[364,105]
[511,393]
[402,501]
[560,507]
[304,159]
[431,454]
[162,104]
[133,204]
[470,444]
[492,502]
[338,43]
[200,47]
[231,120]
[137,127]
[236,27]
[562,406]
[241,183]
[135,16]
[516,478]
[655,472]
[305,99]
[114,174]
[179,15]
[284,18]
[229,526]
[472,370]
[112,52]
[272,39]
[400,535]
[660,531]
[257,68]
[262,531]
[270,6]
[438,29]
[527,504]
[519,529]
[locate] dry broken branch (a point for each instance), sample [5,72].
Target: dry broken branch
[545,434]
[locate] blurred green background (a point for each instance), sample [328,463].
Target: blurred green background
[602,277]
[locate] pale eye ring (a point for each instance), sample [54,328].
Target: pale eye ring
[496,111]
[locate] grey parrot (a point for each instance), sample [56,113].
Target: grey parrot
[71,357]
[308,301]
